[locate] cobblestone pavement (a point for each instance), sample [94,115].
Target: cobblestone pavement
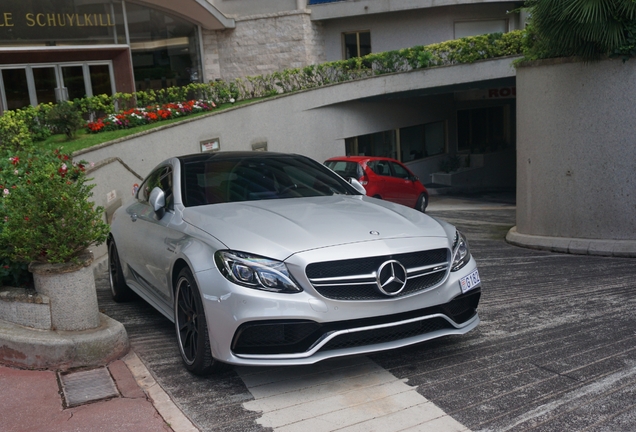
[556,349]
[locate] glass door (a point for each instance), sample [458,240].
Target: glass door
[15,88]
[74,82]
[46,81]
[100,79]
[24,85]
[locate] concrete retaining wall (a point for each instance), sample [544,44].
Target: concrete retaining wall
[576,153]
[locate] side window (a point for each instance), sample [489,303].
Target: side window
[380,167]
[161,177]
[399,171]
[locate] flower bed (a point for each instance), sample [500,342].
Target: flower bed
[151,114]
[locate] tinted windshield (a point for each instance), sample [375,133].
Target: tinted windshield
[223,180]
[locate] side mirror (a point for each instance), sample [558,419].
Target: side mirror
[357,185]
[157,201]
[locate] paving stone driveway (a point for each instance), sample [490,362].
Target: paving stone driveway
[556,351]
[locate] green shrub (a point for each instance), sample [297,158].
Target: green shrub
[65,118]
[14,132]
[45,209]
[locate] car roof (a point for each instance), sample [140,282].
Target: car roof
[361,158]
[232,155]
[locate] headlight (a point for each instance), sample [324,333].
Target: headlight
[255,272]
[461,253]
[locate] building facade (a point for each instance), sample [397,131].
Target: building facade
[64,49]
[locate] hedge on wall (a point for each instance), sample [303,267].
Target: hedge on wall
[31,121]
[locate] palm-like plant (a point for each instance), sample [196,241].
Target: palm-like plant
[586,28]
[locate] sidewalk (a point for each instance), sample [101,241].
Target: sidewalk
[33,401]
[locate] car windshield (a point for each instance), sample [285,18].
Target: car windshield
[223,180]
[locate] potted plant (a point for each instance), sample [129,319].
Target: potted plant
[47,220]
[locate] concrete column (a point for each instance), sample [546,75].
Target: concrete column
[576,183]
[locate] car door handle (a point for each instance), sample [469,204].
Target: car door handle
[133,217]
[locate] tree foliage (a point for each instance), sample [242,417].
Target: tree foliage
[590,29]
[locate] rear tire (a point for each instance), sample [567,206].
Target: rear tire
[191,327]
[422,203]
[118,287]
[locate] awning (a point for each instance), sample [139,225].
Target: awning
[200,12]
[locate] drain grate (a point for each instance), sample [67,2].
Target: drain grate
[87,386]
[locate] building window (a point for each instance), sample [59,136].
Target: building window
[422,141]
[356,44]
[405,144]
[164,48]
[475,28]
[483,130]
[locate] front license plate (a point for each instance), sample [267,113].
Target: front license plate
[469,282]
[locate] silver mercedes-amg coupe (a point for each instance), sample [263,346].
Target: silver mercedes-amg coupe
[273,259]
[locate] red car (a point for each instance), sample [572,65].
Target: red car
[383,178]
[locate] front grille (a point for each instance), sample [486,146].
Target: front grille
[388,334]
[299,336]
[355,279]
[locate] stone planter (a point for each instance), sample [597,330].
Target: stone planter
[70,289]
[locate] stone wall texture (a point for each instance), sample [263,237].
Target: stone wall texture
[263,44]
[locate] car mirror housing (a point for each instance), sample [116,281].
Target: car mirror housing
[157,201]
[357,186]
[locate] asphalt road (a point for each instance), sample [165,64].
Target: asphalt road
[555,351]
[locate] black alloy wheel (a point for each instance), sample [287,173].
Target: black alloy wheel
[191,327]
[118,287]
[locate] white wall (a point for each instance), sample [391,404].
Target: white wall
[396,30]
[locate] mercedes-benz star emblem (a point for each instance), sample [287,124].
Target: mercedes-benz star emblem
[391,278]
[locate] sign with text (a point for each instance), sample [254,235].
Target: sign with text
[61,20]
[487,94]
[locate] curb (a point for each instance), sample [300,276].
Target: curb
[24,347]
[160,399]
[576,246]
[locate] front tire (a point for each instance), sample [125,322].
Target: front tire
[422,203]
[118,287]
[191,327]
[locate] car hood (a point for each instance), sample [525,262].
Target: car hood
[279,228]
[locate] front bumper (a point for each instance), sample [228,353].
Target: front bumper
[251,327]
